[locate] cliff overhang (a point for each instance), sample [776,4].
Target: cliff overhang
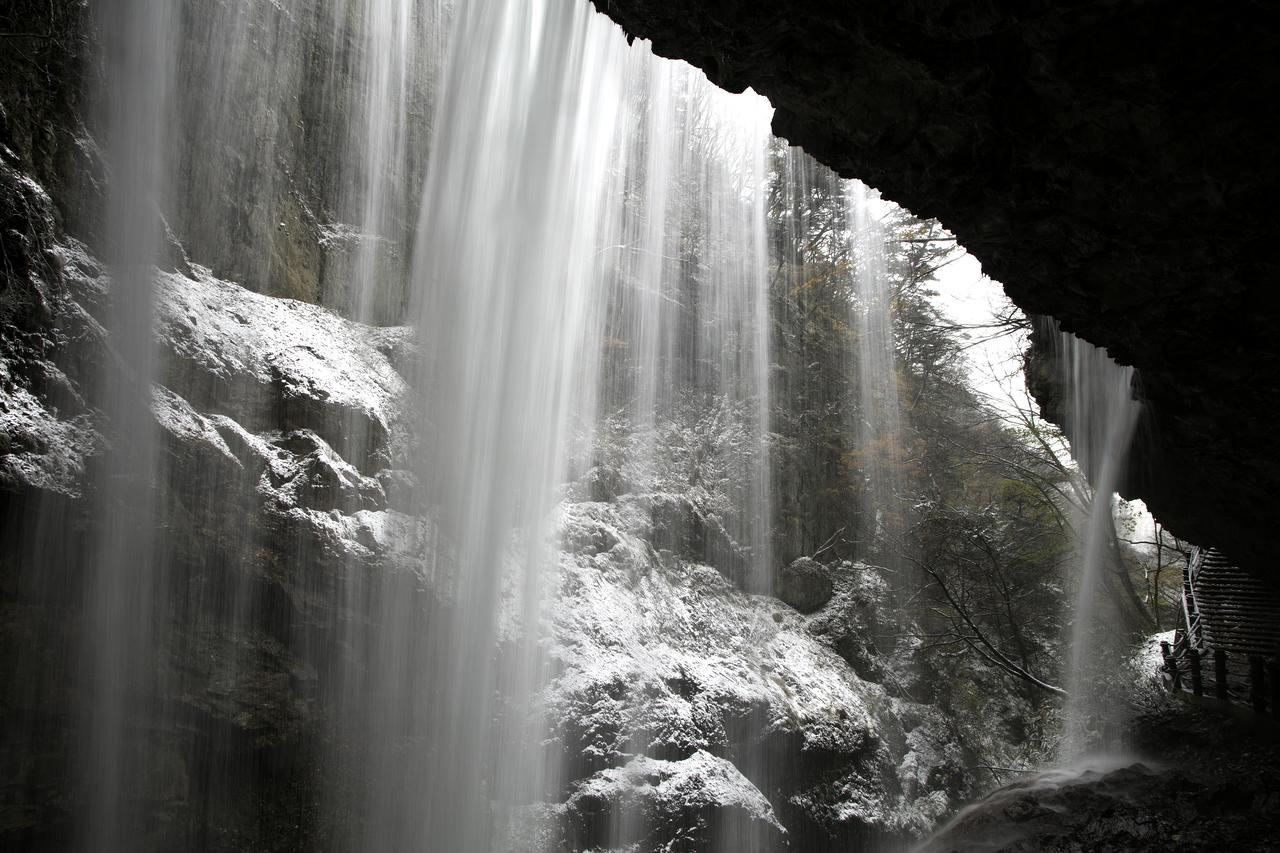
[1109,162]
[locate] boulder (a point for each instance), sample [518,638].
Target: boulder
[860,609]
[694,804]
[805,584]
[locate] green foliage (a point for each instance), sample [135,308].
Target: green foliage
[985,500]
[816,468]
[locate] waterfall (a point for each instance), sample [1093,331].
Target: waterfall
[598,199]
[1101,415]
[303,145]
[879,415]
[125,609]
[411,433]
[385,80]
[581,245]
[503,271]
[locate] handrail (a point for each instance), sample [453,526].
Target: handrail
[1195,563]
[1240,678]
[1184,671]
[1190,607]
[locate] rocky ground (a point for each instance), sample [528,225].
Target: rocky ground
[1191,778]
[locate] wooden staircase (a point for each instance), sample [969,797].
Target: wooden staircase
[1231,617]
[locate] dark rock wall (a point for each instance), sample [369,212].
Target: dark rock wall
[44,78]
[269,142]
[266,176]
[1109,162]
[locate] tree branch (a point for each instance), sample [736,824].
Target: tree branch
[988,651]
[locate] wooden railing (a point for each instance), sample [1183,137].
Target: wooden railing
[1185,670]
[1190,607]
[1235,660]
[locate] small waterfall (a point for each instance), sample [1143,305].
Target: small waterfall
[839,295]
[125,608]
[879,416]
[503,271]
[812,277]
[1101,415]
[303,145]
[385,79]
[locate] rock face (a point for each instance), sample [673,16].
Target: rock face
[1110,163]
[277,424]
[666,666]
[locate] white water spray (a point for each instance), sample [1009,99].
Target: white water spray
[1101,417]
[879,419]
[125,605]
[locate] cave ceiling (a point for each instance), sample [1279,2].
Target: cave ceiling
[1113,164]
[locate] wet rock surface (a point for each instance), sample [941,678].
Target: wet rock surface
[1109,163]
[1119,808]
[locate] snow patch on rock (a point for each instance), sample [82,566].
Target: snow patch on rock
[281,364]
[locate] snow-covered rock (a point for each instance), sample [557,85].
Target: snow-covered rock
[279,364]
[859,609]
[47,434]
[663,659]
[680,806]
[39,448]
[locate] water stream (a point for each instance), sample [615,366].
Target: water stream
[125,612]
[879,419]
[589,163]
[1102,414]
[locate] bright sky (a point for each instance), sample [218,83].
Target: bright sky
[968,297]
